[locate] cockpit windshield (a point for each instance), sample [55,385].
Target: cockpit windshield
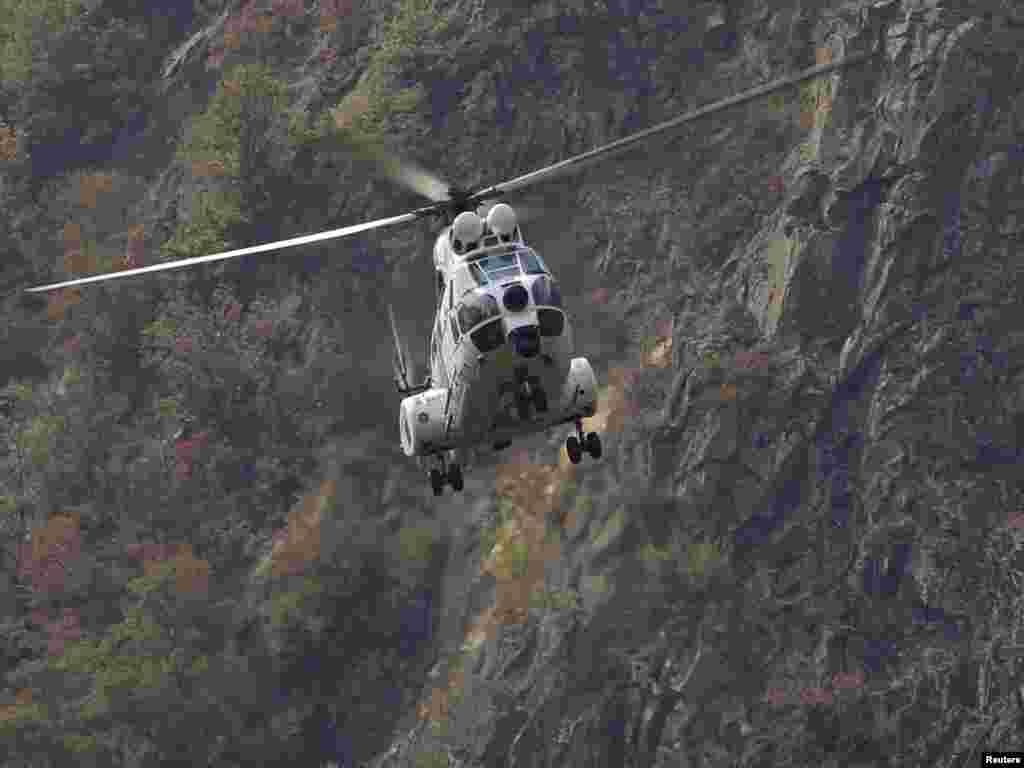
[532,262]
[497,266]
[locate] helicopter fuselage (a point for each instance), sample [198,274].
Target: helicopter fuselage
[501,363]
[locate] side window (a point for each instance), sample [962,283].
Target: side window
[455,327]
[451,296]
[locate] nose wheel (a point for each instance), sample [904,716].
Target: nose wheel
[528,395]
[445,474]
[576,444]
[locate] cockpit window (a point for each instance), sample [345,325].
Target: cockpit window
[499,266]
[545,293]
[475,308]
[468,279]
[532,262]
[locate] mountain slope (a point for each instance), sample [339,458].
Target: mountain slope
[803,542]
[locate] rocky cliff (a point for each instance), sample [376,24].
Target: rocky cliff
[803,543]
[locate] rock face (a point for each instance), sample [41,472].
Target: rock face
[803,543]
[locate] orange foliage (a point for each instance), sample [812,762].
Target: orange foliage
[822,55]
[90,185]
[8,143]
[728,392]
[58,533]
[192,574]
[60,301]
[437,708]
[533,493]
[22,698]
[204,168]
[300,542]
[328,24]
[263,24]
[356,104]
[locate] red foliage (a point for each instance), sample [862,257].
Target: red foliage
[183,470]
[775,696]
[843,681]
[136,247]
[288,9]
[335,8]
[183,345]
[45,558]
[152,551]
[1016,520]
[328,56]
[600,296]
[663,328]
[215,60]
[184,450]
[68,629]
[775,185]
[233,312]
[750,360]
[264,328]
[816,695]
[73,344]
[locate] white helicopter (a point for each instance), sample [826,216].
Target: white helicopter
[501,364]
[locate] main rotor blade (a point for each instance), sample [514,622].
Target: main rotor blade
[405,218]
[578,162]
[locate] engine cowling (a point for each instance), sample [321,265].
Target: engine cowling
[421,421]
[579,395]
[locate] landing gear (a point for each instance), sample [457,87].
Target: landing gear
[576,444]
[437,481]
[573,448]
[455,477]
[445,474]
[529,395]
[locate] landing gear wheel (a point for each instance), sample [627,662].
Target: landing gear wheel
[437,481]
[592,445]
[573,448]
[540,400]
[455,477]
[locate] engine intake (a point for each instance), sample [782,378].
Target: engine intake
[421,421]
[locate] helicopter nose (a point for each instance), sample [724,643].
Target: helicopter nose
[525,340]
[516,298]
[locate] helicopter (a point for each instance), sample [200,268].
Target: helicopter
[501,364]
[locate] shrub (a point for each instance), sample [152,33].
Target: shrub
[19,27]
[363,113]
[431,760]
[208,228]
[519,558]
[36,439]
[416,543]
[701,557]
[287,606]
[247,96]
